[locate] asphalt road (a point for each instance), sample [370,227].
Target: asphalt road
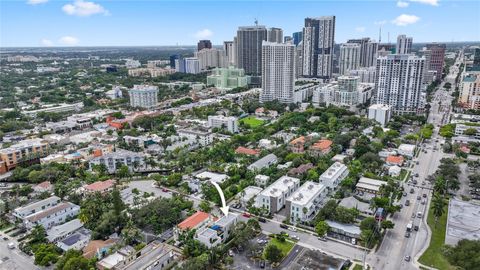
[395,246]
[14,259]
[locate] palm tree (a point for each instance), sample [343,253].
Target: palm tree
[438,206]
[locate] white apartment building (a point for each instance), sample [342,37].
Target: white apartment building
[404,44]
[30,209]
[302,205]
[261,180]
[230,123]
[399,82]
[349,57]
[273,198]
[192,65]
[380,113]
[278,72]
[365,75]
[47,213]
[218,232]
[77,241]
[332,177]
[346,91]
[197,136]
[143,96]
[114,160]
[60,232]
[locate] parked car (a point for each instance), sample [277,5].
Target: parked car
[283,226]
[322,238]
[419,198]
[262,264]
[11,245]
[261,219]
[412,191]
[424,195]
[415,227]
[353,241]
[419,214]
[404,194]
[415,182]
[294,237]
[407,258]
[5,238]
[293,229]
[247,215]
[407,202]
[424,201]
[407,234]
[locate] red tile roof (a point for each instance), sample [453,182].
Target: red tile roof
[90,250]
[100,185]
[45,185]
[395,160]
[322,145]
[193,220]
[299,140]
[247,151]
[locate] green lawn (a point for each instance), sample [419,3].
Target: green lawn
[433,256]
[404,175]
[357,267]
[285,246]
[252,121]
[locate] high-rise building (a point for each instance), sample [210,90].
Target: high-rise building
[476,58]
[298,60]
[318,47]
[368,51]
[172,60]
[349,57]
[427,74]
[249,48]
[438,57]
[227,78]
[143,96]
[275,35]
[211,58]
[398,82]
[469,96]
[204,44]
[380,113]
[404,44]
[278,72]
[287,39]
[229,48]
[297,38]
[192,65]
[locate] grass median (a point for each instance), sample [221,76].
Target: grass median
[433,256]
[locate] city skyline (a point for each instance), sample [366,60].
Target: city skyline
[125,23]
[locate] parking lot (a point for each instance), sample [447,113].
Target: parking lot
[142,186]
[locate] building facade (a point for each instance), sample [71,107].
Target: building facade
[303,204]
[349,57]
[368,51]
[275,35]
[143,96]
[278,72]
[219,121]
[249,48]
[399,82]
[380,113]
[204,44]
[228,78]
[211,58]
[229,48]
[404,45]
[438,57]
[318,47]
[273,198]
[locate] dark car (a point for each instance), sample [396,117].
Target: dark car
[261,219]
[424,195]
[262,264]
[412,190]
[407,234]
[415,228]
[407,202]
[407,258]
[283,226]
[415,182]
[419,198]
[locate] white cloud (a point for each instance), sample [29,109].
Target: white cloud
[36,2]
[84,8]
[405,19]
[380,22]
[426,2]
[402,4]
[68,41]
[360,29]
[46,42]
[204,33]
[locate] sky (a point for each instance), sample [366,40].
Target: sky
[37,23]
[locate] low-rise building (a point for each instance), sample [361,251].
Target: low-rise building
[77,241]
[248,194]
[59,232]
[23,151]
[218,232]
[218,178]
[335,174]
[247,151]
[223,122]
[264,162]
[274,196]
[352,202]
[369,185]
[394,160]
[35,207]
[394,171]
[407,150]
[118,260]
[44,186]
[303,204]
[261,180]
[380,113]
[196,136]
[320,148]
[348,230]
[113,161]
[154,256]
[197,221]
[99,186]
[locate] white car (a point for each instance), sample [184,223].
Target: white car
[293,229]
[294,237]
[11,245]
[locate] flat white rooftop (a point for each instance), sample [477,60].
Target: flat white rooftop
[282,185]
[306,193]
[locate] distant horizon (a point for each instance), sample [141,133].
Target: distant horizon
[195,45]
